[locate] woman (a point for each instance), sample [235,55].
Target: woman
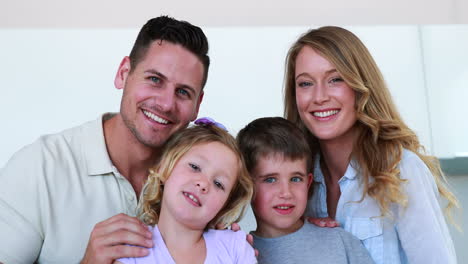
[371,173]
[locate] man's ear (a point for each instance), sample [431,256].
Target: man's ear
[122,73]
[310,177]
[199,100]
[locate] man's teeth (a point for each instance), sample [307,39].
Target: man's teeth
[283,207]
[326,113]
[192,197]
[155,117]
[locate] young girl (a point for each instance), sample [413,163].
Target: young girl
[200,182]
[371,172]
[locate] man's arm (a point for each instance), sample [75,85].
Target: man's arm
[21,235]
[20,242]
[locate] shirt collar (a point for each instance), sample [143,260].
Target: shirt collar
[350,174]
[94,147]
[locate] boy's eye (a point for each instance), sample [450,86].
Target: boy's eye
[270,180]
[219,185]
[296,179]
[194,167]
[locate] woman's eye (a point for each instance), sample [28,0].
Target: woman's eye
[336,79]
[304,84]
[194,167]
[270,180]
[296,179]
[219,185]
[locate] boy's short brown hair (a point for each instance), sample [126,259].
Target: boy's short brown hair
[273,135]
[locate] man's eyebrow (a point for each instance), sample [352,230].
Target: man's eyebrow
[162,76]
[155,72]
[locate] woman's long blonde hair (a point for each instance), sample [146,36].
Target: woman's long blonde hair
[179,144]
[382,134]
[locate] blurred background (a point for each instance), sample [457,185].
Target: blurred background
[59,58]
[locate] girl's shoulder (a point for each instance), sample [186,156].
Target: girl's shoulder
[230,247]
[225,236]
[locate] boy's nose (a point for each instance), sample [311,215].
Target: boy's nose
[285,191]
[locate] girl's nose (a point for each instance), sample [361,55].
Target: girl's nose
[202,185]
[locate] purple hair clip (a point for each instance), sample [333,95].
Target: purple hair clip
[209,121]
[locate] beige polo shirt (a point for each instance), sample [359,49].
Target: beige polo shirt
[54,191]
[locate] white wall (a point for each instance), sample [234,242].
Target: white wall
[446,67]
[54,79]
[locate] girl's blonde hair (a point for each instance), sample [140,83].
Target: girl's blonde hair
[382,134]
[176,147]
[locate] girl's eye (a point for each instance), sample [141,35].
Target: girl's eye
[219,185]
[296,179]
[194,167]
[270,180]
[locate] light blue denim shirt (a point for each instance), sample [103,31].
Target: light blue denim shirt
[415,234]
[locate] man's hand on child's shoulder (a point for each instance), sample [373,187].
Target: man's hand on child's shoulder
[112,238]
[323,222]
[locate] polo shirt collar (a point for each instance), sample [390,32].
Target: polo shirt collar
[94,147]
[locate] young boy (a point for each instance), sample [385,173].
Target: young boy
[279,160]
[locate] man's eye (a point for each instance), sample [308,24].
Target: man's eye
[155,79]
[270,180]
[296,179]
[219,185]
[183,92]
[194,167]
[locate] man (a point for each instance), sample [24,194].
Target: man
[54,191]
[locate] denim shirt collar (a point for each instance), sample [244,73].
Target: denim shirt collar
[350,174]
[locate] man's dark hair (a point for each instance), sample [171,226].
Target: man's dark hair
[166,28]
[273,135]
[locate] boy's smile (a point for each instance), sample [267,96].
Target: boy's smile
[284,209]
[281,192]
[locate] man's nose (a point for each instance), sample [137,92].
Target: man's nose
[166,98]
